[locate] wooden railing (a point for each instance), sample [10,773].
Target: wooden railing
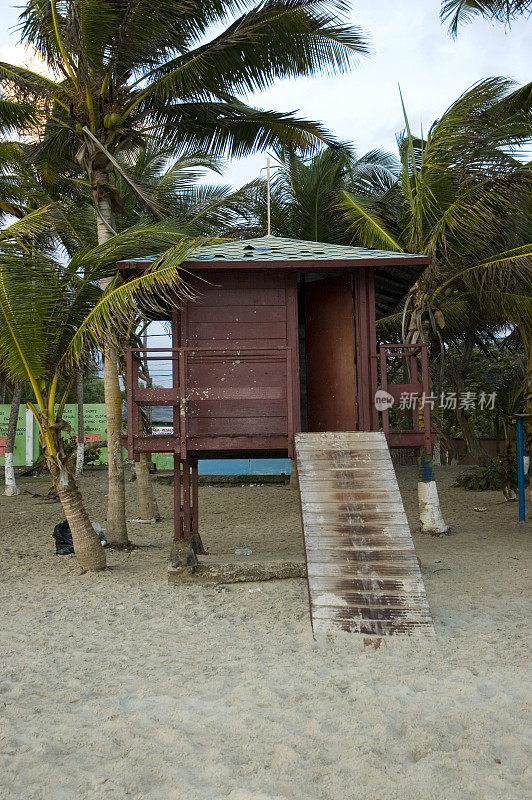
[416,390]
[177,395]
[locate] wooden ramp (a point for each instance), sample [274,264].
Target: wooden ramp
[363,573]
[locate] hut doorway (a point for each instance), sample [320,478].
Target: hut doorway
[330,354]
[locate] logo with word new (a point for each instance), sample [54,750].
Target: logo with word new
[383,400]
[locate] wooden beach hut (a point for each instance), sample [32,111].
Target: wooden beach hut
[277,356]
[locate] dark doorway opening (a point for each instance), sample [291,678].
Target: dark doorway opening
[327,353]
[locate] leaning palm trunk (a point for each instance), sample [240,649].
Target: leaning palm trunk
[89,552]
[116,504]
[80,447]
[509,475]
[12,489]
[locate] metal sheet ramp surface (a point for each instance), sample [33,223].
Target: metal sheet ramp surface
[363,572]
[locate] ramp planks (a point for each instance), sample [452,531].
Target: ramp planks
[363,572]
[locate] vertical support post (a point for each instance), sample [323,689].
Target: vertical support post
[384,387]
[129,399]
[182,365]
[178,511]
[292,330]
[372,330]
[289,403]
[183,554]
[520,467]
[365,343]
[195,509]
[415,382]
[187,513]
[176,340]
[133,411]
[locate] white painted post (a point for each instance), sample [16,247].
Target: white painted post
[29,438]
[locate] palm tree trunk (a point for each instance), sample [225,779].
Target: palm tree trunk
[87,548]
[147,504]
[11,489]
[472,443]
[80,448]
[430,515]
[116,506]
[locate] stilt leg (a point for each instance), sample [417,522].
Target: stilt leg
[197,544]
[187,509]
[178,515]
[182,554]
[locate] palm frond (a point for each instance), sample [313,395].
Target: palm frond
[459,12]
[139,296]
[364,224]
[33,223]
[287,38]
[229,128]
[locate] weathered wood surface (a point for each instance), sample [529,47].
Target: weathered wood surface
[363,572]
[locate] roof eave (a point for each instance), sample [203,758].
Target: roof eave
[307,265]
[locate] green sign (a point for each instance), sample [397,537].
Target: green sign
[95,430]
[19,453]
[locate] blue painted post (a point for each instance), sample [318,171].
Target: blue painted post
[520,468]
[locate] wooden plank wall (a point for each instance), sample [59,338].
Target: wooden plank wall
[363,573]
[241,394]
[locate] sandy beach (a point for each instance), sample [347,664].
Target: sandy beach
[117,685]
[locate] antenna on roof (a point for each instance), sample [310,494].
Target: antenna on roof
[269,227]
[268,196]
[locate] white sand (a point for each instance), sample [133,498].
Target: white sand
[119,686]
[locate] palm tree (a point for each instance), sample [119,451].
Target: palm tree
[460,11]
[129,72]
[24,187]
[304,191]
[179,187]
[52,315]
[461,198]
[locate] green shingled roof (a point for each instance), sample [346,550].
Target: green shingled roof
[276,248]
[394,272]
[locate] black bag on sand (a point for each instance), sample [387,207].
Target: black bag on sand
[64,545]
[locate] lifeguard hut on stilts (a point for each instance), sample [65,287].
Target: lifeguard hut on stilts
[277,356]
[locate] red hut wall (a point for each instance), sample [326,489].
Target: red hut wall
[235,363]
[242,367]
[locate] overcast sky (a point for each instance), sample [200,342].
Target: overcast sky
[409,46]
